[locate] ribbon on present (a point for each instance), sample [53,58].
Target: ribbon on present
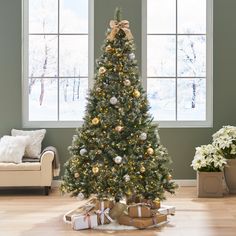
[116,26]
[87,218]
[104,213]
[139,207]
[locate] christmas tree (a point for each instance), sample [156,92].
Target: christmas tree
[117,151]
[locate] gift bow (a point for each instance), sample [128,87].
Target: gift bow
[116,26]
[87,218]
[104,213]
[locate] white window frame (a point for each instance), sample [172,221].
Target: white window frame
[25,97]
[209,70]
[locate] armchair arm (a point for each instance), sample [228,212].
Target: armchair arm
[46,160]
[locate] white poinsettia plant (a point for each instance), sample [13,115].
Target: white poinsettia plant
[225,139]
[208,158]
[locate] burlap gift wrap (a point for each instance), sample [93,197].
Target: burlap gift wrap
[118,210]
[154,204]
[102,209]
[86,221]
[139,210]
[142,223]
[79,211]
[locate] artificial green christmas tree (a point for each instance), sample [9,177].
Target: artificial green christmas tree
[117,151]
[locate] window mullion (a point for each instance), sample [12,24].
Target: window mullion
[58,61]
[176,60]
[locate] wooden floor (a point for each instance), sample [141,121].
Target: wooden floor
[27,212]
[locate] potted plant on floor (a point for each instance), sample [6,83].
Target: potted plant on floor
[209,163]
[225,140]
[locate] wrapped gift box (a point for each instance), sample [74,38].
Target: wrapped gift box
[166,210]
[99,204]
[118,210]
[154,204]
[102,209]
[139,210]
[86,221]
[142,223]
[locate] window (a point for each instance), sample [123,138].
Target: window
[56,61]
[178,42]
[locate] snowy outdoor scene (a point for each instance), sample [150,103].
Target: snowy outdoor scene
[58,59]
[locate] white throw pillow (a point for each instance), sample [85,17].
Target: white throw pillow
[33,150]
[12,148]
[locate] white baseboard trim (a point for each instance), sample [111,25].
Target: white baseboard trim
[180,182]
[186,182]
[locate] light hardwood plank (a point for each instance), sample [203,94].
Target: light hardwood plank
[26,212]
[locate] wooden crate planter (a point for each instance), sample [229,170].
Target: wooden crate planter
[210,184]
[230,175]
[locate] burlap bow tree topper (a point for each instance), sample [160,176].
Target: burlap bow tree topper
[119,25]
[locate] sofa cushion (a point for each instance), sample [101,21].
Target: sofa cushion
[12,148]
[20,167]
[32,150]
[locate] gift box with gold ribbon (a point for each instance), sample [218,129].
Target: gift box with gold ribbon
[140,210]
[142,223]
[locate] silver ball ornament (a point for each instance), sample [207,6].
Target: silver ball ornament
[80,196]
[118,159]
[143,136]
[83,151]
[113,100]
[132,56]
[127,82]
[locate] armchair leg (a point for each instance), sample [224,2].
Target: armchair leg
[46,190]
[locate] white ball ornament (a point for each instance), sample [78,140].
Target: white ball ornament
[127,82]
[80,196]
[132,56]
[126,178]
[118,159]
[113,100]
[83,151]
[143,136]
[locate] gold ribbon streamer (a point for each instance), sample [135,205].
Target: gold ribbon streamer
[116,26]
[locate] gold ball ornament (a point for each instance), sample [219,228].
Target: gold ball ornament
[102,70]
[95,169]
[108,48]
[136,93]
[98,89]
[119,128]
[95,121]
[142,169]
[76,175]
[150,151]
[169,177]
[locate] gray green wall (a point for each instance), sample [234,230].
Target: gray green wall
[180,141]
